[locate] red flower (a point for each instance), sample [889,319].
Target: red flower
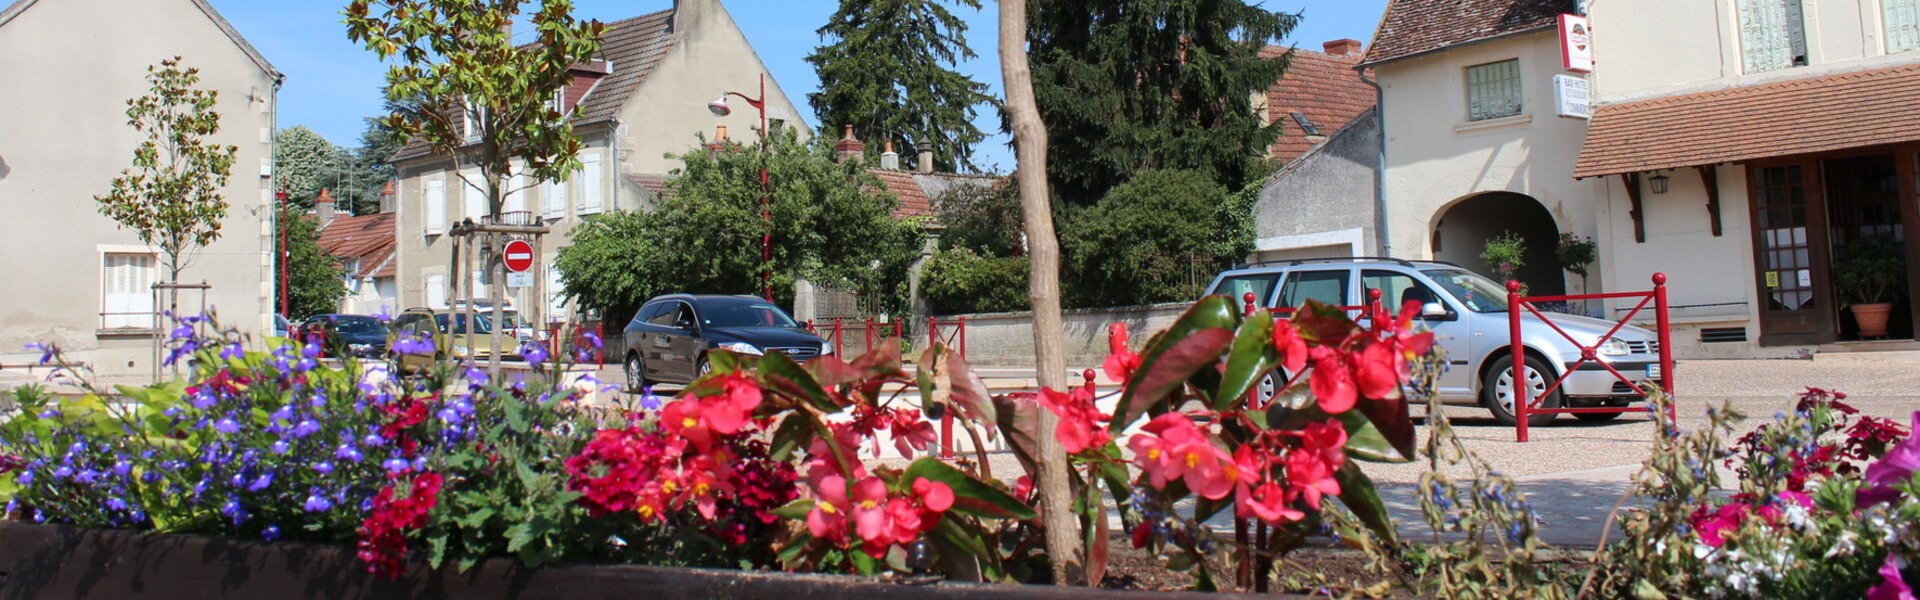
[1269,503]
[1332,380]
[1292,348]
[1081,423]
[1172,447]
[727,412]
[383,535]
[1121,362]
[1310,476]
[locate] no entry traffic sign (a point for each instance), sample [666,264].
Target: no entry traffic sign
[518,255]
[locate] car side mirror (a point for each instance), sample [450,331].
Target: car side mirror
[686,324]
[1433,309]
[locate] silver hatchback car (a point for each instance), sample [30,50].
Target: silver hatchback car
[1468,315]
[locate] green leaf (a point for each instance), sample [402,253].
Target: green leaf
[794,547]
[1391,422]
[787,376]
[961,553]
[970,496]
[795,430]
[796,509]
[1251,358]
[1358,493]
[1366,442]
[862,561]
[1172,357]
[518,536]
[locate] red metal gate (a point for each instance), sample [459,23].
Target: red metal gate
[1525,403]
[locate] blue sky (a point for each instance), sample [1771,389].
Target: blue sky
[333,83]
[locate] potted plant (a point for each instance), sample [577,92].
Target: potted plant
[1867,274]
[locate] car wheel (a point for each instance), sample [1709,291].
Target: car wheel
[636,374]
[1497,390]
[1597,417]
[702,368]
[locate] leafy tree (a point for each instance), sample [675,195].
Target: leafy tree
[982,218]
[831,223]
[889,73]
[305,163]
[315,281]
[1151,238]
[962,281]
[1131,85]
[171,197]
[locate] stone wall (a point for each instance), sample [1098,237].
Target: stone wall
[1006,339]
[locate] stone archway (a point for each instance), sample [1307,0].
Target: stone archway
[1462,230]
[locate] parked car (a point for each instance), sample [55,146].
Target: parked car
[280,326]
[345,335]
[1468,315]
[452,337]
[669,338]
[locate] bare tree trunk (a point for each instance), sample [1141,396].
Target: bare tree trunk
[1030,143]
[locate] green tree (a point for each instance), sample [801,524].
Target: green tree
[304,162]
[315,281]
[962,281]
[832,223]
[1155,238]
[170,197]
[1131,85]
[982,218]
[888,71]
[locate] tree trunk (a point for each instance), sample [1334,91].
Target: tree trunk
[1043,248]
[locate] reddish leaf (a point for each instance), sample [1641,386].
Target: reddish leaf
[1165,371]
[969,392]
[1392,419]
[830,371]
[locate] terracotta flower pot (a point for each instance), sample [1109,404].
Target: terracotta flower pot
[1872,318]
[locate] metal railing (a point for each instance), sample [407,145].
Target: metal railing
[1524,403]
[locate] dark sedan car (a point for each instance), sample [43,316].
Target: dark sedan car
[668,340]
[342,335]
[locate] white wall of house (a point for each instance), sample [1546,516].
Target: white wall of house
[69,67]
[670,108]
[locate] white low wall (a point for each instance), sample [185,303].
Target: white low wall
[1006,339]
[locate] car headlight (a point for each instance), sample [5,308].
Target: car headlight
[740,348]
[826,348]
[1614,347]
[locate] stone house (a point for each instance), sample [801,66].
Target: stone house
[364,246]
[1320,202]
[73,277]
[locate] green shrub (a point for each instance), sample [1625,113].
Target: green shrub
[961,281]
[1159,237]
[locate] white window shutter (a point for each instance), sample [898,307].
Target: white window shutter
[435,198]
[436,291]
[556,198]
[473,196]
[1765,41]
[591,185]
[127,283]
[556,305]
[516,200]
[1902,19]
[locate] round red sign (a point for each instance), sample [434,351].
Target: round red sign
[518,256]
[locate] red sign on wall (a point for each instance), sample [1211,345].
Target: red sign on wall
[1576,44]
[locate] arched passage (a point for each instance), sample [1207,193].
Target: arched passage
[1461,233]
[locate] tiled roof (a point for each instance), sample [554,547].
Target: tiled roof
[653,183]
[1815,114]
[914,201]
[368,238]
[1324,89]
[634,48]
[1412,27]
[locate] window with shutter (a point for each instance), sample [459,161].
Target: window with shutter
[435,197]
[127,286]
[516,200]
[1772,35]
[1902,19]
[556,302]
[474,197]
[556,198]
[436,291]
[590,185]
[479,284]
[1493,90]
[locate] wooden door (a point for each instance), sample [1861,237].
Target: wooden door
[1790,254]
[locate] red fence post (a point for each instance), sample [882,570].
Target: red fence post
[962,332]
[1522,395]
[1665,333]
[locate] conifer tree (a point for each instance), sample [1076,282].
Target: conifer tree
[888,71]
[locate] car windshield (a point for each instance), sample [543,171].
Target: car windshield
[744,314]
[1478,293]
[485,321]
[359,325]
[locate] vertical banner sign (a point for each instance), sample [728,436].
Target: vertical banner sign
[1576,44]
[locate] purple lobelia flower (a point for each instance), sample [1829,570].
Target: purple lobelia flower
[323,467]
[347,453]
[305,428]
[535,353]
[227,426]
[650,401]
[261,483]
[271,533]
[1895,467]
[316,501]
[233,352]
[280,447]
[46,353]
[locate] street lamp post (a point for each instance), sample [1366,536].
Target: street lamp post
[719,109]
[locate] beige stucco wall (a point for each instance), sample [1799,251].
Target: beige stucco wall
[1436,157]
[1650,48]
[666,114]
[69,66]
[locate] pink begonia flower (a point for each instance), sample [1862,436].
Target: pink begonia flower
[1121,362]
[1892,586]
[1172,447]
[1895,467]
[1726,519]
[1269,503]
[1332,380]
[1292,348]
[1082,425]
[828,519]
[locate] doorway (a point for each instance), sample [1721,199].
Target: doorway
[1864,230]
[1461,234]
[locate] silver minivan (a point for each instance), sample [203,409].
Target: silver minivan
[1468,315]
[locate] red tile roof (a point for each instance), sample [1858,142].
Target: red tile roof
[1412,27]
[913,200]
[1816,114]
[653,184]
[1324,89]
[368,238]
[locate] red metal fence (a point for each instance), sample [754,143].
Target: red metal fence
[871,333]
[581,343]
[1525,403]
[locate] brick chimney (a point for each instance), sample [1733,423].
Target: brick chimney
[387,196]
[1343,47]
[924,159]
[323,208]
[849,148]
[889,159]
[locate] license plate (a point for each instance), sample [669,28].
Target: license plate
[1653,371]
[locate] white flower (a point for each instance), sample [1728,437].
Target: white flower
[1700,551]
[1843,545]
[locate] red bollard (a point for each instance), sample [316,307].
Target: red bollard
[1521,395]
[1666,345]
